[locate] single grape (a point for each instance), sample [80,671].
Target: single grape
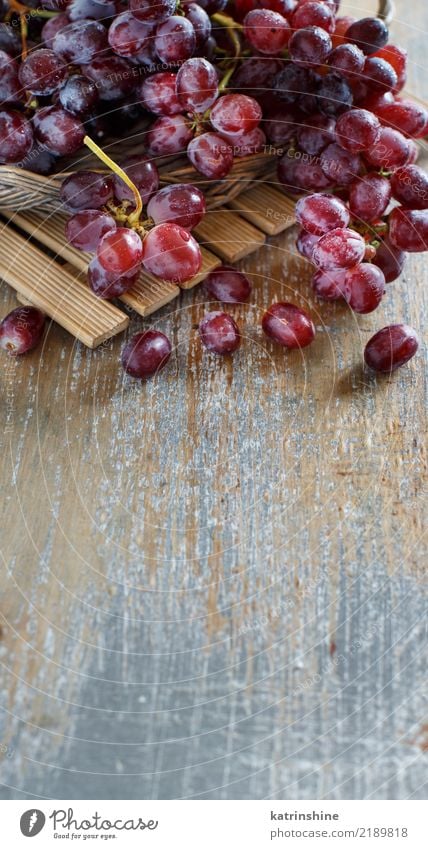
[113,76]
[78,95]
[109,285]
[340,166]
[146,353]
[311,177]
[254,76]
[38,160]
[128,36]
[152,11]
[341,27]
[200,21]
[171,253]
[81,10]
[86,190]
[328,285]
[369,34]
[120,251]
[404,115]
[280,126]
[51,27]
[42,72]
[390,260]
[391,347]
[143,173]
[58,130]
[334,95]
[318,214]
[21,330]
[347,60]
[410,186]
[292,81]
[313,14]
[158,94]
[357,130]
[85,229]
[175,39]
[197,85]
[316,133]
[219,333]
[369,196]
[391,150]
[80,42]
[169,134]
[10,87]
[309,46]
[340,248]
[246,144]
[180,204]
[267,31]
[397,57]
[16,136]
[211,155]
[379,75]
[235,114]
[228,285]
[408,229]
[288,325]
[364,287]
[305,244]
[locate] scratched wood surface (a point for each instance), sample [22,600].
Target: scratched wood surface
[212,584]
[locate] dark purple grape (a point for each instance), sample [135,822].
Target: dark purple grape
[316,133]
[78,95]
[143,173]
[16,136]
[113,76]
[42,72]
[128,36]
[51,27]
[379,75]
[10,87]
[175,40]
[369,34]
[39,161]
[292,81]
[79,10]
[80,42]
[334,95]
[10,41]
[152,11]
[86,190]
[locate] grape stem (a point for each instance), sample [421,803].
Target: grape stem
[134,218]
[26,11]
[231,26]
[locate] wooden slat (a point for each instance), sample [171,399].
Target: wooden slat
[48,230]
[228,235]
[266,207]
[150,294]
[62,296]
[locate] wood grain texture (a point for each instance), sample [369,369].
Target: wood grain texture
[213,583]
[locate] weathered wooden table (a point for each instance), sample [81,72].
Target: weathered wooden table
[212,583]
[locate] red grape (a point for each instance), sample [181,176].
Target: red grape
[364,287]
[143,173]
[113,76]
[316,133]
[391,347]
[211,155]
[42,72]
[86,190]
[219,333]
[10,88]
[288,325]
[408,229]
[328,285]
[228,285]
[21,330]
[78,95]
[309,46]
[108,285]
[51,27]
[120,251]
[370,34]
[267,31]
[200,21]
[85,229]
[369,196]
[410,186]
[16,136]
[246,144]
[235,114]
[171,252]
[58,130]
[146,353]
[311,177]
[357,130]
[79,10]
[390,151]
[347,59]
[313,14]
[379,75]
[170,134]
[158,94]
[80,42]
[180,203]
[320,213]
[128,36]
[305,244]
[397,57]
[341,166]
[341,248]
[405,115]
[390,260]
[175,39]
[197,85]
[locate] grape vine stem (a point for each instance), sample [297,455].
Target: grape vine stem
[231,26]
[134,218]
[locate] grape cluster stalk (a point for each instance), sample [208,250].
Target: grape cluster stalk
[217,80]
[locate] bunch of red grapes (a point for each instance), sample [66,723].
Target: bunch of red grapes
[220,81]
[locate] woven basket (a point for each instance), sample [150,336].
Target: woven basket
[21,189]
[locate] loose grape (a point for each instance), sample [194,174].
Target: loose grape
[180,203]
[267,31]
[364,287]
[408,229]
[340,248]
[211,155]
[146,353]
[120,251]
[288,325]
[85,229]
[21,330]
[171,253]
[228,285]
[320,213]
[391,347]
[219,333]
[16,136]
